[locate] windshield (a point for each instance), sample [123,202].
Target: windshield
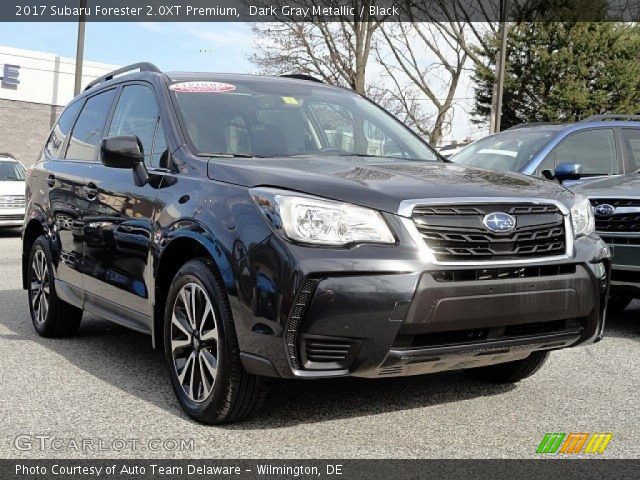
[510,150]
[11,171]
[270,118]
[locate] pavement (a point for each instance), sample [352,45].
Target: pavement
[108,388]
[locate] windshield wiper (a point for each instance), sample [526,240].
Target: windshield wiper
[230,155]
[366,155]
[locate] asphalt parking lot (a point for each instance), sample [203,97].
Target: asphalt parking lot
[107,384]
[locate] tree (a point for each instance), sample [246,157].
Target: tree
[558,72]
[336,52]
[412,68]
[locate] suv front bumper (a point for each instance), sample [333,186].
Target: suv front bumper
[372,324]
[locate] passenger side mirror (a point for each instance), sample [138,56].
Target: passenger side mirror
[125,151]
[567,171]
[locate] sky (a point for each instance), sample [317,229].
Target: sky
[191,46]
[220,47]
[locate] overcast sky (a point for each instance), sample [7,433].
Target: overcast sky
[214,47]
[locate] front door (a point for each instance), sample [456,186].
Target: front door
[118,222]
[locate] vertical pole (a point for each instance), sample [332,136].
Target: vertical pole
[80,48]
[498,84]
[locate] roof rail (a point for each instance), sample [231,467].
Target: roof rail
[7,155]
[611,116]
[532,124]
[141,66]
[302,76]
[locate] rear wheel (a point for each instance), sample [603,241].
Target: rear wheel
[510,372]
[202,350]
[51,316]
[618,304]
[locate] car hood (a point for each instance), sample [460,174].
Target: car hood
[618,186]
[382,185]
[9,187]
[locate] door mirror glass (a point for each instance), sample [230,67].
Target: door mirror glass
[124,151]
[567,171]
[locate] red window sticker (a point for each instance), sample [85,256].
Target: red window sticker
[202,87]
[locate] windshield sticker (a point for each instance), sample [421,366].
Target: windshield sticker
[290,100]
[202,87]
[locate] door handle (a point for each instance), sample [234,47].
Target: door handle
[51,180]
[91,191]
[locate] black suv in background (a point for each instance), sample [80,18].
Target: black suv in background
[279,227]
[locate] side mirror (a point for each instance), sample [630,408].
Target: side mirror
[567,171]
[125,151]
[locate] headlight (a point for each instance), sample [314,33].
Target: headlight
[582,217]
[317,221]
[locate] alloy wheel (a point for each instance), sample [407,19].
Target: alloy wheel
[40,286]
[194,342]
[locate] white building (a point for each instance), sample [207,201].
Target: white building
[34,88]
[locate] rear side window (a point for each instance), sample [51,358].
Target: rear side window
[87,132]
[137,114]
[631,137]
[594,150]
[61,130]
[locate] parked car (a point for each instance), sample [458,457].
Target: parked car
[449,150]
[231,219]
[12,188]
[616,203]
[602,145]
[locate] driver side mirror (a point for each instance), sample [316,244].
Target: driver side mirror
[125,151]
[567,171]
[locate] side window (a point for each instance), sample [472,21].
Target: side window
[595,150]
[62,129]
[631,138]
[137,114]
[87,132]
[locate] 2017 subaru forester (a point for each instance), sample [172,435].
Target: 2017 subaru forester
[279,227]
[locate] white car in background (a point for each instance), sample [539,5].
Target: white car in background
[12,187]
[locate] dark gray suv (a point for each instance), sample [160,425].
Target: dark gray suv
[262,227]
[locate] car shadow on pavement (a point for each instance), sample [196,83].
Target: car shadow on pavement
[125,360]
[625,324]
[10,232]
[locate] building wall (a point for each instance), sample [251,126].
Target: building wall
[24,128]
[29,109]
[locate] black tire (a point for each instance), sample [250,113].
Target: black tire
[60,318]
[234,394]
[510,372]
[618,303]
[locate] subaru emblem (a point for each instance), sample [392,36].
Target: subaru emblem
[499,222]
[605,210]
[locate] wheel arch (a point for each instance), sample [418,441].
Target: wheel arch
[177,249]
[31,232]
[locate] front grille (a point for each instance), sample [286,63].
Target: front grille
[11,217]
[503,273]
[457,233]
[479,335]
[619,221]
[11,201]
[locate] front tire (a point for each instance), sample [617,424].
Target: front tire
[202,350]
[510,372]
[51,316]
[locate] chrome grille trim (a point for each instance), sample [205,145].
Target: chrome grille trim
[406,211]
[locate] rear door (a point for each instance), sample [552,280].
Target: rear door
[118,218]
[69,196]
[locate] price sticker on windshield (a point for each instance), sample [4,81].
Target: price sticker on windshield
[202,87]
